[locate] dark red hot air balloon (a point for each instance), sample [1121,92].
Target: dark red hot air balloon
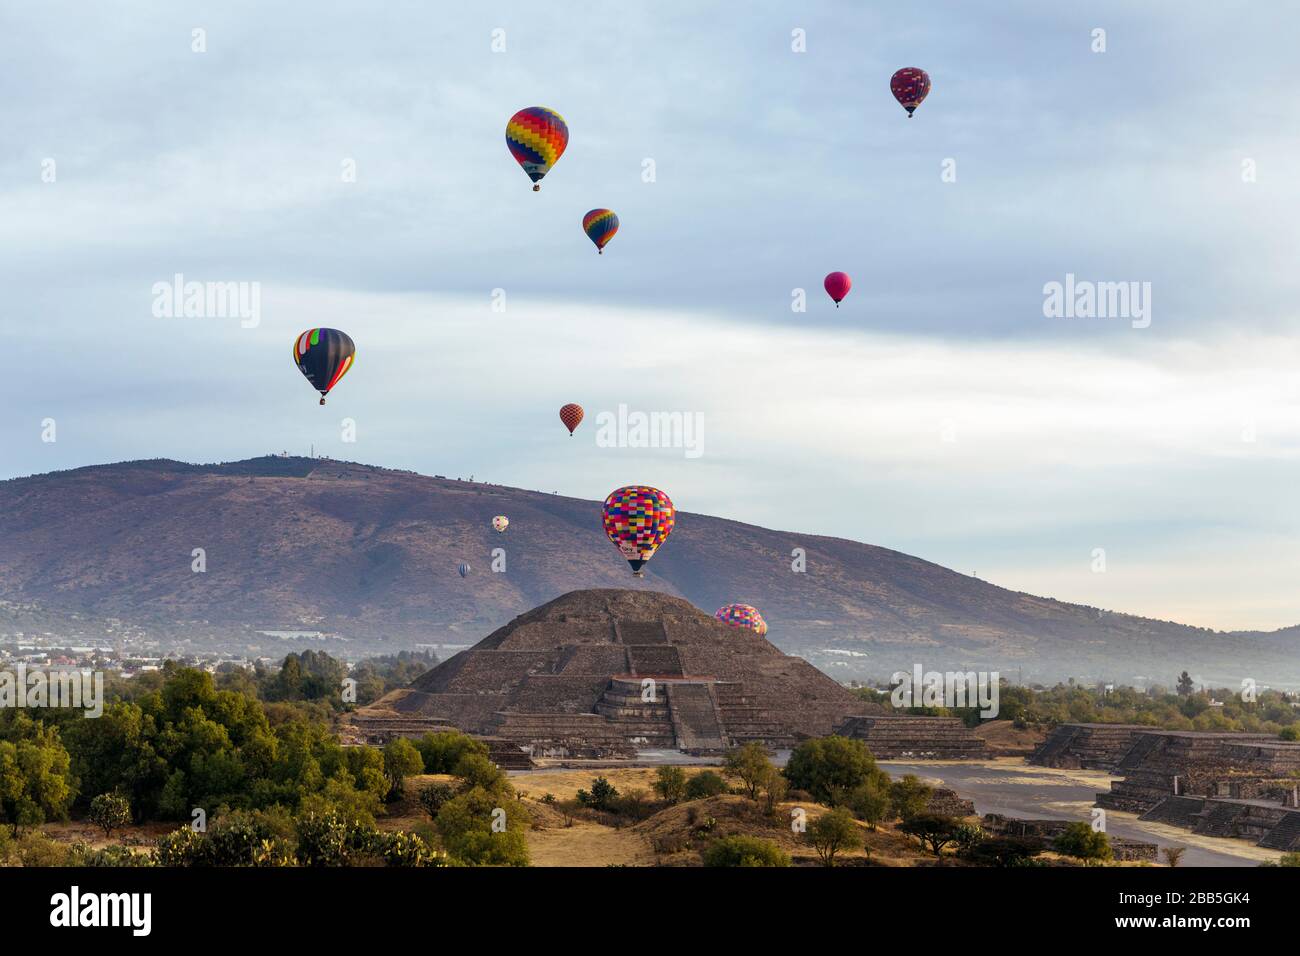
[571,415]
[910,86]
[837,286]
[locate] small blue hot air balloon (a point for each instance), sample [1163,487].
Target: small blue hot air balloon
[464,570]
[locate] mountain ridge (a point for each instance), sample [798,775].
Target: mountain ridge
[372,552]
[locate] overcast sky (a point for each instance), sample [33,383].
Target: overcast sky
[938,411]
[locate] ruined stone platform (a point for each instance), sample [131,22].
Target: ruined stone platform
[900,737]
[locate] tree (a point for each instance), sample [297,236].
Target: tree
[909,797]
[434,796]
[109,812]
[1174,855]
[745,851]
[832,832]
[1004,851]
[670,783]
[35,779]
[442,751]
[774,790]
[477,829]
[870,803]
[706,783]
[1081,841]
[830,767]
[602,795]
[401,760]
[476,770]
[751,764]
[1186,686]
[932,830]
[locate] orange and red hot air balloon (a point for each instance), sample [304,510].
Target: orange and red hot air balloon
[571,415]
[837,286]
[910,86]
[537,138]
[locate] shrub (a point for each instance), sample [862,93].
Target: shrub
[602,795]
[705,784]
[745,851]
[670,784]
[1083,842]
[1004,851]
[441,752]
[37,849]
[434,796]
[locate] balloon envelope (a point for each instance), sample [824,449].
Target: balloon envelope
[537,138]
[323,356]
[600,226]
[837,286]
[571,415]
[638,519]
[464,570]
[500,523]
[742,615]
[910,86]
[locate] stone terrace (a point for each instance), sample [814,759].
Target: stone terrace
[928,738]
[1086,746]
[1245,786]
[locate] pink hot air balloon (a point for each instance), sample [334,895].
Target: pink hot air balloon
[837,286]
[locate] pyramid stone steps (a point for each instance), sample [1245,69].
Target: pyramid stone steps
[695,720]
[1285,835]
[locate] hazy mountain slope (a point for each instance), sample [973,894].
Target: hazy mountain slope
[369,552]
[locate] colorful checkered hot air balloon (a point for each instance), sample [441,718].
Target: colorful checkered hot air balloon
[837,286]
[910,86]
[500,523]
[742,615]
[537,138]
[638,519]
[571,415]
[323,356]
[600,226]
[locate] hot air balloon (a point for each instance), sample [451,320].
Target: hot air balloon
[910,86]
[837,286]
[500,523]
[324,356]
[742,615]
[571,415]
[600,226]
[638,519]
[464,570]
[537,138]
